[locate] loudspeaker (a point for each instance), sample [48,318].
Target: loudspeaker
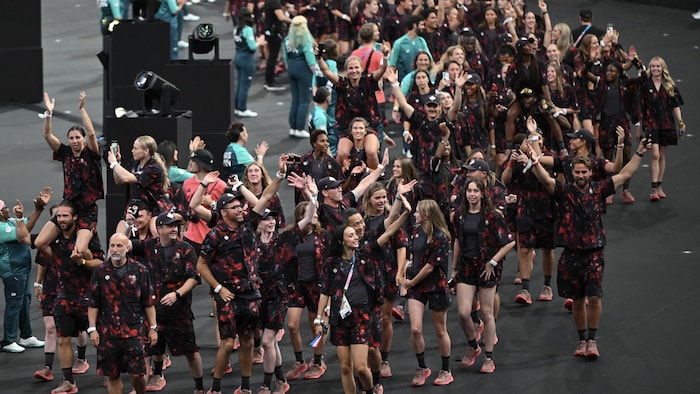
[21,75]
[206,88]
[125,130]
[21,24]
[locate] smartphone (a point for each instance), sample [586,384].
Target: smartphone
[610,28]
[296,159]
[114,146]
[446,76]
[321,49]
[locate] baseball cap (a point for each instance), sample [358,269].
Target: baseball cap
[583,134]
[204,158]
[269,213]
[586,13]
[526,92]
[474,78]
[328,183]
[167,218]
[227,198]
[432,100]
[477,165]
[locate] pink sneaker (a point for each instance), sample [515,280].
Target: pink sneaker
[523,297]
[580,349]
[297,369]
[258,354]
[44,374]
[444,378]
[546,294]
[592,350]
[80,366]
[420,376]
[65,388]
[471,355]
[488,366]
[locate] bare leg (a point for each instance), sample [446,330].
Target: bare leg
[371,146]
[346,369]
[359,362]
[465,297]
[222,354]
[443,337]
[139,383]
[416,309]
[115,386]
[487,295]
[50,337]
[344,147]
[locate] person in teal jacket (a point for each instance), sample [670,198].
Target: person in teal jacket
[407,47]
[298,54]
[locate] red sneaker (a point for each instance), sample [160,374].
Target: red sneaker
[420,376]
[523,297]
[44,374]
[297,369]
[397,312]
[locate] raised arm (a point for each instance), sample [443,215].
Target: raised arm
[360,189]
[50,103]
[401,189]
[196,199]
[334,78]
[121,174]
[547,23]
[87,123]
[379,73]
[39,204]
[273,187]
[21,231]
[400,100]
[396,225]
[631,167]
[457,103]
[615,166]
[313,203]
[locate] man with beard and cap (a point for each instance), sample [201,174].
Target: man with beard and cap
[172,269]
[579,229]
[121,301]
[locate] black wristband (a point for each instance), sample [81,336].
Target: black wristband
[639,154]
[560,145]
[177,295]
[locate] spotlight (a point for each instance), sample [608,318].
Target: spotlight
[203,39]
[158,94]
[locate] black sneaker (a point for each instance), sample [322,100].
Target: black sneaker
[273,87]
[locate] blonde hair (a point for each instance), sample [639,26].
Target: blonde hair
[565,40]
[666,80]
[299,34]
[433,220]
[148,142]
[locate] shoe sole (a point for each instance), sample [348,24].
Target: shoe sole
[397,315]
[46,378]
[445,383]
[488,370]
[312,377]
[523,301]
[478,352]
[297,375]
[422,382]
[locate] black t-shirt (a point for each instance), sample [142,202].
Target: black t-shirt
[470,226]
[272,23]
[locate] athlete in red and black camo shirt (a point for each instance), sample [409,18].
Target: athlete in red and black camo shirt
[121,301]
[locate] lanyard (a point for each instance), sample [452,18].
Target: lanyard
[352,267]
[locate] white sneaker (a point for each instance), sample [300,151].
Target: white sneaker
[247,114]
[31,342]
[183,44]
[196,1]
[190,18]
[696,15]
[407,153]
[293,133]
[303,134]
[211,1]
[13,348]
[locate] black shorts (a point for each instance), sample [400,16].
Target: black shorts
[272,313]
[117,355]
[535,233]
[470,269]
[178,335]
[663,137]
[375,329]
[70,318]
[239,316]
[305,294]
[580,273]
[47,304]
[437,301]
[353,330]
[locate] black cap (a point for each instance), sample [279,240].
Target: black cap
[328,183]
[204,158]
[477,165]
[227,198]
[526,92]
[432,100]
[269,213]
[583,134]
[167,218]
[474,79]
[586,13]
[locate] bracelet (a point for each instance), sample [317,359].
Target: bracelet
[619,147]
[493,262]
[90,330]
[509,164]
[154,327]
[280,175]
[493,146]
[318,321]
[112,165]
[405,132]
[395,84]
[37,284]
[259,157]
[204,185]
[177,295]
[380,166]
[45,115]
[681,123]
[217,289]
[396,109]
[639,154]
[83,261]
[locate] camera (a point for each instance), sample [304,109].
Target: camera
[321,49]
[295,158]
[452,283]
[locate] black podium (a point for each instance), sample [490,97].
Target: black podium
[177,128]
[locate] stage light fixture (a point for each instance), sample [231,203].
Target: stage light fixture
[159,95]
[203,39]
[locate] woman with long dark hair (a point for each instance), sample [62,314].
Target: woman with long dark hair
[351,287]
[481,244]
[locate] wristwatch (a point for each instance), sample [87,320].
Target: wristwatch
[154,328]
